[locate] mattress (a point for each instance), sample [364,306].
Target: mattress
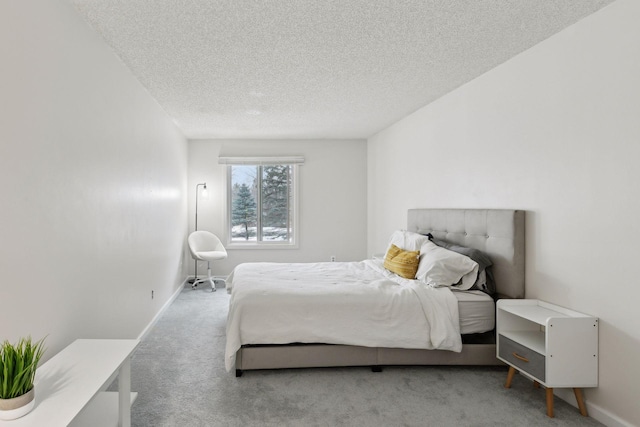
[477,311]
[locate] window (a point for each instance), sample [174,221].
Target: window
[261,204]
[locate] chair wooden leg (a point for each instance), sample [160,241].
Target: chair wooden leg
[581,406]
[536,384]
[512,372]
[550,402]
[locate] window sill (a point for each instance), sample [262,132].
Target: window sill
[253,246]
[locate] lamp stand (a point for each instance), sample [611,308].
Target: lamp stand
[195,261]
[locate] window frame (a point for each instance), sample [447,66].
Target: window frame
[257,244]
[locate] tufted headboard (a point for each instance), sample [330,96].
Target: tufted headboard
[497,232]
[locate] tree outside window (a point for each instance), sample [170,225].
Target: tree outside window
[243,211]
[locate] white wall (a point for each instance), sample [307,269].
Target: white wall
[555,131]
[93,181]
[333,198]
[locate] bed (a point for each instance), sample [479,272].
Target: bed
[256,298]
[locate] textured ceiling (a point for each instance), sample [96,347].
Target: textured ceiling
[315,68]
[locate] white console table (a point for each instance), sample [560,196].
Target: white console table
[71,386]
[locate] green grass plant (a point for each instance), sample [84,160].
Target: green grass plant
[18,365]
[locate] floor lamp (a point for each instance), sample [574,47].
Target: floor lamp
[205,194]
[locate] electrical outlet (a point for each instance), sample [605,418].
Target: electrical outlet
[151,294]
[333,258]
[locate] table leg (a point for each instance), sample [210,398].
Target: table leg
[580,400]
[512,372]
[124,394]
[550,402]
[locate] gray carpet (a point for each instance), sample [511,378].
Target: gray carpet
[179,374]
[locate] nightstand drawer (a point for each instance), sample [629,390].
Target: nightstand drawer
[522,358]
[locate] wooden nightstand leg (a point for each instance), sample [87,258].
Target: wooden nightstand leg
[512,372]
[550,402]
[580,400]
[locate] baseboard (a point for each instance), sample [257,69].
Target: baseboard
[595,411]
[166,305]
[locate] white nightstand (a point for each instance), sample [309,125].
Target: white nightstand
[551,345]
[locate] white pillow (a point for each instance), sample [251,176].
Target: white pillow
[441,267]
[407,240]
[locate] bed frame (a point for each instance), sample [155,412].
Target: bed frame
[497,232]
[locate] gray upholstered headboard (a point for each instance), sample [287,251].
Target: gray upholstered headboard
[497,232]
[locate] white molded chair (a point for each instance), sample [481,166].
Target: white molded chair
[206,246]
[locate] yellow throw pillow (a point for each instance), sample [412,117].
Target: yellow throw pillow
[403,263]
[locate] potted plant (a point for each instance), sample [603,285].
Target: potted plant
[18,364]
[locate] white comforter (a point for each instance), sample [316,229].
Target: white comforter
[354,303]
